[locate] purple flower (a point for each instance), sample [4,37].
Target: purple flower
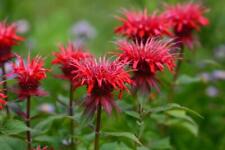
[211,91]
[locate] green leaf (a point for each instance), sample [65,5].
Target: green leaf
[11,127]
[171,106]
[211,63]
[115,146]
[128,135]
[142,148]
[45,125]
[175,115]
[10,143]
[185,79]
[161,144]
[133,114]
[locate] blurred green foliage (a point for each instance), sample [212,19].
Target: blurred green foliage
[50,24]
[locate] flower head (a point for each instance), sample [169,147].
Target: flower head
[2,101]
[101,77]
[8,38]
[65,57]
[146,59]
[185,18]
[141,26]
[44,148]
[29,74]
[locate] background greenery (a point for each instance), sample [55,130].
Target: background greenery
[51,22]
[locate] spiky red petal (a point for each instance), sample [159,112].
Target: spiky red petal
[186,18]
[101,77]
[146,59]
[140,26]
[64,58]
[29,74]
[2,101]
[8,38]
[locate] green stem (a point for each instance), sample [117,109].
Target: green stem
[28,119]
[98,126]
[73,146]
[5,87]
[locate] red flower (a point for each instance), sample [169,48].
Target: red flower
[29,74]
[101,77]
[66,56]
[8,38]
[44,148]
[141,26]
[146,59]
[185,18]
[2,101]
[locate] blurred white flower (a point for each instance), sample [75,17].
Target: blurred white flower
[23,26]
[47,108]
[211,91]
[219,52]
[66,142]
[83,30]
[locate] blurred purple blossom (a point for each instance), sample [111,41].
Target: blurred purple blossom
[219,52]
[47,108]
[83,31]
[31,43]
[8,69]
[218,75]
[23,26]
[211,91]
[214,76]
[206,77]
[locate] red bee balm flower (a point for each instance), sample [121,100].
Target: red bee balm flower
[66,56]
[2,101]
[101,78]
[146,59]
[185,18]
[44,148]
[8,38]
[29,75]
[140,26]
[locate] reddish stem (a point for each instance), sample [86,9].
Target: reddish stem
[5,87]
[71,114]
[98,126]
[29,140]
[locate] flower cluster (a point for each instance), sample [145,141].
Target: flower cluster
[2,101]
[140,26]
[8,38]
[44,148]
[101,77]
[146,59]
[185,18]
[64,58]
[29,74]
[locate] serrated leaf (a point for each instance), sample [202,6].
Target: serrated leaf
[175,115]
[10,143]
[12,127]
[128,135]
[115,146]
[44,126]
[133,114]
[160,144]
[172,106]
